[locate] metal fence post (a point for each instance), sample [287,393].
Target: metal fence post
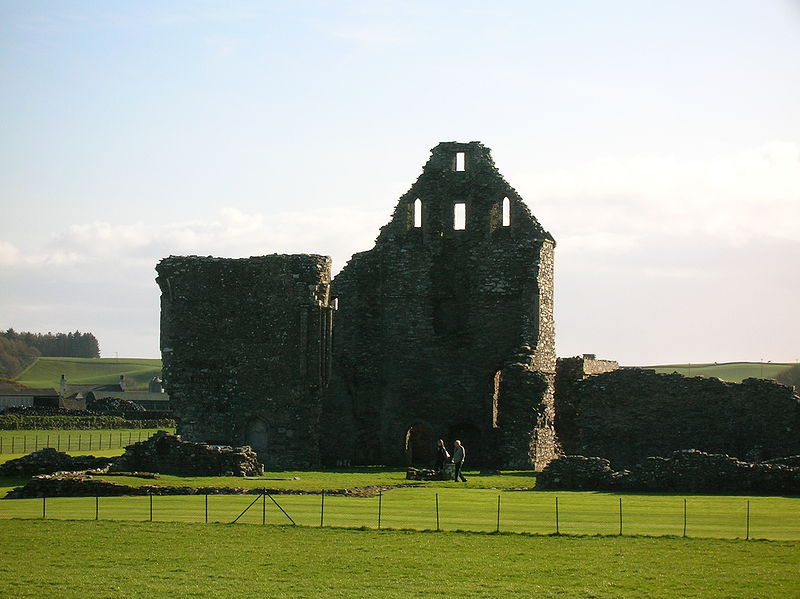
[747,535]
[620,516]
[437,511]
[206,508]
[498,514]
[263,506]
[684,517]
[96,507]
[44,508]
[557,530]
[380,504]
[151,506]
[322,509]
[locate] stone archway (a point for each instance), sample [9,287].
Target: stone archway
[256,435]
[420,445]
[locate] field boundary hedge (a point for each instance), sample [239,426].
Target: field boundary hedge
[13,422]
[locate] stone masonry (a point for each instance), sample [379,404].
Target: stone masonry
[245,345]
[569,371]
[628,415]
[445,328]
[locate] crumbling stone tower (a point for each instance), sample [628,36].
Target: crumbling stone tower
[445,328]
[245,345]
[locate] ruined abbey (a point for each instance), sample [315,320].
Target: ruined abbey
[443,330]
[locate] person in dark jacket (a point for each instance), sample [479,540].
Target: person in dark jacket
[459,453]
[442,455]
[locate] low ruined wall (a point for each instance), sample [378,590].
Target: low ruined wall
[630,414]
[168,454]
[48,460]
[689,471]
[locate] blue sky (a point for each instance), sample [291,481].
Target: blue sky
[659,142]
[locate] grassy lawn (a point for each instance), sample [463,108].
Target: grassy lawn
[464,508]
[21,442]
[46,372]
[406,504]
[734,372]
[132,560]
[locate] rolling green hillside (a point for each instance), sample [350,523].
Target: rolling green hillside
[46,372]
[734,372]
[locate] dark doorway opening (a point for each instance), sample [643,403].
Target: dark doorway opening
[420,446]
[256,435]
[471,438]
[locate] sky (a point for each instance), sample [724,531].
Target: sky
[658,142]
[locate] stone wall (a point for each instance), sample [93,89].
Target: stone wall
[446,332]
[569,371]
[245,345]
[630,414]
[169,454]
[49,460]
[688,471]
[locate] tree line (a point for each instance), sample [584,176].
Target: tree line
[18,350]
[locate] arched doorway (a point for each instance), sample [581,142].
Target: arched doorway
[256,435]
[420,445]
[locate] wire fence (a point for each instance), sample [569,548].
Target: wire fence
[440,511]
[90,440]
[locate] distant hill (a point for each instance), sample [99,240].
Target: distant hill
[46,372]
[734,372]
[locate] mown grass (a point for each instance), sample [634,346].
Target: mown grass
[133,560]
[580,513]
[46,372]
[734,372]
[21,442]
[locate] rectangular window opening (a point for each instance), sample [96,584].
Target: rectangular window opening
[459,216]
[461,161]
[417,213]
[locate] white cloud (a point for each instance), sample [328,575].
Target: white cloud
[732,199]
[9,254]
[230,233]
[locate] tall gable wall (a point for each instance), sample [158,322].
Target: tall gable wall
[445,332]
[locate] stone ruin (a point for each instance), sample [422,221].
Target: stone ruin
[162,453]
[169,454]
[687,471]
[246,347]
[629,414]
[443,330]
[48,461]
[57,474]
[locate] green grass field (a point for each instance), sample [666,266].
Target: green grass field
[21,442]
[415,508]
[72,559]
[46,372]
[733,372]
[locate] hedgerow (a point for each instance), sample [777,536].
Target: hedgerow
[26,422]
